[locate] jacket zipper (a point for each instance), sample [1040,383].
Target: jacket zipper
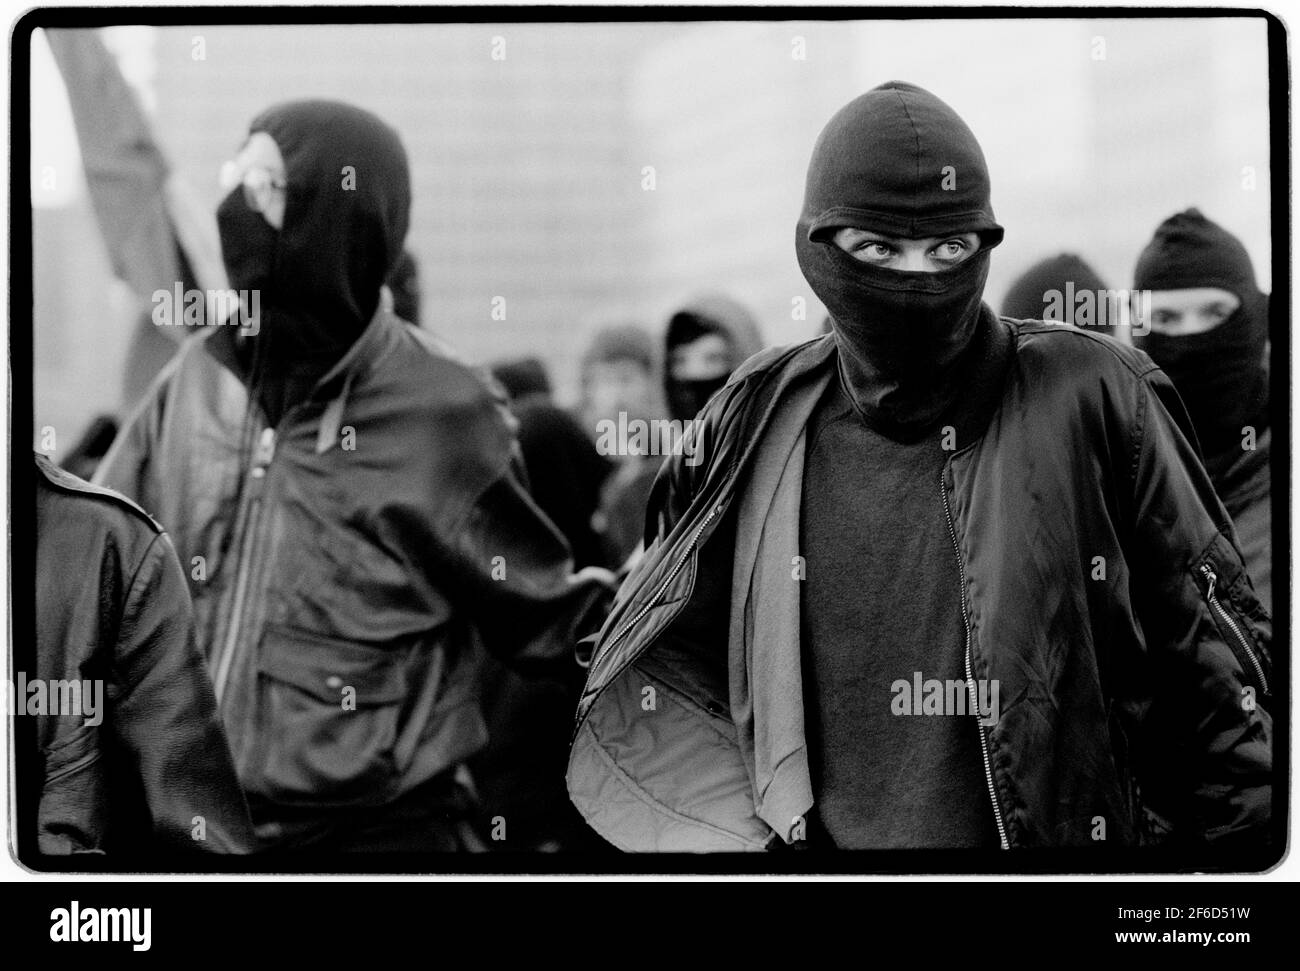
[645,608]
[257,479]
[970,670]
[1211,579]
[708,518]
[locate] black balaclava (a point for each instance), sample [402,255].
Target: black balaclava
[1027,297]
[711,314]
[898,161]
[346,213]
[1220,374]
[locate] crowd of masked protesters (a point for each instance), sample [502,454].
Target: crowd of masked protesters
[354,594]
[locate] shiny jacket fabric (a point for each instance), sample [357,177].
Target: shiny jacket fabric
[154,775]
[1134,695]
[1246,493]
[347,575]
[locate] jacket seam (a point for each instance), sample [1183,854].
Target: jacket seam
[130,597]
[1039,327]
[1139,432]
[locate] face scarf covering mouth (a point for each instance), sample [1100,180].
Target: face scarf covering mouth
[1219,374]
[900,162]
[346,213]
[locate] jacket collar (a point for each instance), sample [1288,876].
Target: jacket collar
[233,352]
[970,417]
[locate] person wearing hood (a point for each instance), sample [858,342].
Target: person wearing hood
[346,499]
[931,511]
[1054,289]
[705,341]
[1209,333]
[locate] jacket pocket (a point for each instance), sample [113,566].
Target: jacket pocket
[329,713]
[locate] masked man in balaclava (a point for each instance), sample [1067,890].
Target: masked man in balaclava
[1208,332]
[929,512]
[345,499]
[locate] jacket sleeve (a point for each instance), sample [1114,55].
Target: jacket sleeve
[1203,730]
[163,713]
[513,570]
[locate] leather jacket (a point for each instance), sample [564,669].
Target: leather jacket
[141,765]
[1102,586]
[349,564]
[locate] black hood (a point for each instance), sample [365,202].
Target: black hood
[346,214]
[707,314]
[898,161]
[1221,374]
[1030,296]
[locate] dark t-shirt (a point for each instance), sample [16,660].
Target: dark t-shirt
[880,602]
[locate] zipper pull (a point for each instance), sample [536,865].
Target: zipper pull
[1210,578]
[264,453]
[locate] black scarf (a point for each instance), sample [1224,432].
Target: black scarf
[899,161]
[346,214]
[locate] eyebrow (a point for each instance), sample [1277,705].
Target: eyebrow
[873,236]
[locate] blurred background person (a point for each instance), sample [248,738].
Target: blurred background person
[519,775]
[1048,290]
[565,472]
[1209,333]
[705,341]
[619,377]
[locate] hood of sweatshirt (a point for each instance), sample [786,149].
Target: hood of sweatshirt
[707,314]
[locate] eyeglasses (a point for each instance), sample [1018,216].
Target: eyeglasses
[259,185]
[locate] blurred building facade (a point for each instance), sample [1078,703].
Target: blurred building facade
[591,172]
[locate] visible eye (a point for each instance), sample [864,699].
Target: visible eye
[1164,316]
[1217,312]
[950,250]
[874,251]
